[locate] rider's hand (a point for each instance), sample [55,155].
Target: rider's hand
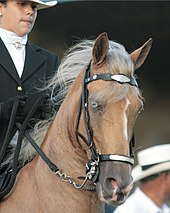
[20,110]
[47,109]
[6,108]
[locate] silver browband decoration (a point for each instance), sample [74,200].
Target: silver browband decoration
[108,77]
[120,78]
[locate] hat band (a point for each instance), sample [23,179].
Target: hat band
[148,166]
[154,164]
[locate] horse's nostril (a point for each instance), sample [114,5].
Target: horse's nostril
[110,183]
[110,186]
[114,183]
[107,189]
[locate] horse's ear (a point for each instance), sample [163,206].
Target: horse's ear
[139,55]
[100,49]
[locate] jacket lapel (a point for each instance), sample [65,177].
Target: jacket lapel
[33,61]
[7,63]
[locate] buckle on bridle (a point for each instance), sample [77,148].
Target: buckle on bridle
[92,170]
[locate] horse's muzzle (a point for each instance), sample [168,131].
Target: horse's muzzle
[115,182]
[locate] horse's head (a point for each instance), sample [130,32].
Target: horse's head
[110,103]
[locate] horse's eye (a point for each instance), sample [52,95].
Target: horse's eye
[94,104]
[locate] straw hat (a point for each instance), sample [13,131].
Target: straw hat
[152,161]
[42,4]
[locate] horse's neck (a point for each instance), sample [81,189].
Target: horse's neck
[68,157]
[71,159]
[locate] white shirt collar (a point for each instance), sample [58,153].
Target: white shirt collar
[11,38]
[16,47]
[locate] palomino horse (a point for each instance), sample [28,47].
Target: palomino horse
[93,127]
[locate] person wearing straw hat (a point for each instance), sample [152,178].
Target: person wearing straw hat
[24,67]
[153,177]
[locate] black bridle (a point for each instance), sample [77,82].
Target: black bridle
[92,167]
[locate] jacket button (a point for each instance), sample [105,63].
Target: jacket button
[19,88]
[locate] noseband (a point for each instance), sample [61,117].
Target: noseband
[92,167]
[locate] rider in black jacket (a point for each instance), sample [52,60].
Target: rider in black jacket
[24,67]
